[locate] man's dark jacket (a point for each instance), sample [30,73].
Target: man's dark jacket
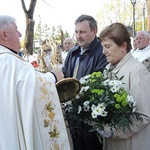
[92,60]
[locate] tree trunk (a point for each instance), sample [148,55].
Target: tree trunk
[29,36]
[148,14]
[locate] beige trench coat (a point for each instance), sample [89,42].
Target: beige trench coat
[137,84]
[146,62]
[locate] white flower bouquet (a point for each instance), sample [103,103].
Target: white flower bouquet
[104,102]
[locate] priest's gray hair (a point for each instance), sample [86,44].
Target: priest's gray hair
[6,20]
[145,33]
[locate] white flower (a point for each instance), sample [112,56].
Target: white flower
[104,113]
[101,105]
[86,106]
[115,85]
[112,82]
[84,79]
[132,102]
[115,88]
[98,110]
[84,89]
[94,115]
[93,107]
[69,109]
[86,103]
[77,96]
[106,82]
[134,109]
[130,99]
[79,109]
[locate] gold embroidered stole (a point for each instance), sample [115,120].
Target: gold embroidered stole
[50,117]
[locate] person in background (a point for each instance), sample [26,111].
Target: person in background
[135,47]
[20,54]
[142,54]
[47,58]
[142,41]
[116,43]
[82,60]
[68,44]
[19,126]
[26,55]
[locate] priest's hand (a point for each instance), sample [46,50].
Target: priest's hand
[58,74]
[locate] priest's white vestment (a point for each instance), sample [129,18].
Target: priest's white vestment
[30,113]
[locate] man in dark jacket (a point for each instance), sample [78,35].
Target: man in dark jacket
[82,60]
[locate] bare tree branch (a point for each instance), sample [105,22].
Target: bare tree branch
[47,3]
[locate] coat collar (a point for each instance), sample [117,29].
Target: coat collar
[91,46]
[117,68]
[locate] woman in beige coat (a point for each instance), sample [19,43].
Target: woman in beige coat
[116,46]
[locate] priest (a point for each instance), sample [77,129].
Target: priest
[30,113]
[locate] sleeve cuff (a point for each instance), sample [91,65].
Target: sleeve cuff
[52,77]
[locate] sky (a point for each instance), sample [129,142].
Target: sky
[58,12]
